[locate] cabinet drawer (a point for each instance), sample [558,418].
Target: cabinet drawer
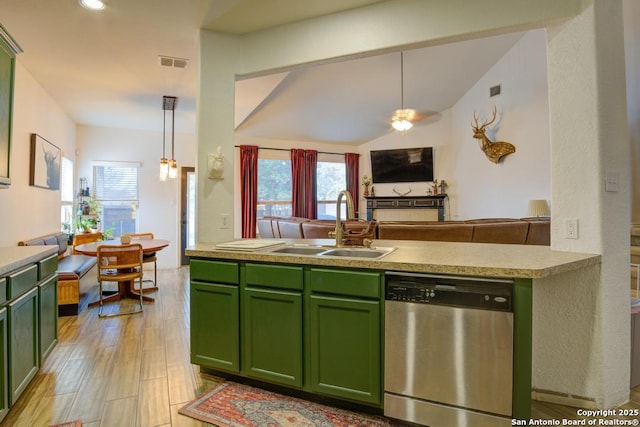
[274,276]
[214,271]
[47,266]
[21,281]
[345,282]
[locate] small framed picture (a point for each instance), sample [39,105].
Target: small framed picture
[46,159]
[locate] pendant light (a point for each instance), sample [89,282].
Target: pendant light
[173,166]
[401,120]
[168,168]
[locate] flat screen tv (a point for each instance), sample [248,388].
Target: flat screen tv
[403,165]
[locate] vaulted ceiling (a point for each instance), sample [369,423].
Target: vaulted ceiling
[103,68]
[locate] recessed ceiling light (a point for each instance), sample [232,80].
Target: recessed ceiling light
[92,4]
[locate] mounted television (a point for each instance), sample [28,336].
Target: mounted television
[403,165]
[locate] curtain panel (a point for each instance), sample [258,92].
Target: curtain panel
[298,205]
[249,189]
[352,167]
[310,183]
[304,164]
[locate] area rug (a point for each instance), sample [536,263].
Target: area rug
[237,405]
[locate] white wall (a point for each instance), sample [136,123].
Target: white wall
[632,55]
[481,188]
[159,208]
[27,211]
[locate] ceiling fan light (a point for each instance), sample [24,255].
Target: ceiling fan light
[402,125]
[92,4]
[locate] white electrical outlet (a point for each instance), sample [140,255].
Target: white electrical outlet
[571,228]
[225,221]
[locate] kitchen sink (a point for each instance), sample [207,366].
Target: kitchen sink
[373,253]
[300,250]
[332,251]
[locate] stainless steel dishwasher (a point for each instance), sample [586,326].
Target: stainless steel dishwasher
[448,350]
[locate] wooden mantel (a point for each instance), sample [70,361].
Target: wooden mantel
[406,202]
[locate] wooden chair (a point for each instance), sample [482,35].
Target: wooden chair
[82,238]
[120,263]
[150,257]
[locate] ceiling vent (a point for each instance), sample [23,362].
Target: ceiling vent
[168,61]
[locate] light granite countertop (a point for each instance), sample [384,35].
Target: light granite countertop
[469,259]
[14,257]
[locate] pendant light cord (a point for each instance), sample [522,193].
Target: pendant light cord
[164,132]
[173,128]
[402,80]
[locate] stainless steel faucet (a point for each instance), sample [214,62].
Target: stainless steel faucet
[350,215]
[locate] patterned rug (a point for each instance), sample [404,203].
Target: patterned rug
[236,405]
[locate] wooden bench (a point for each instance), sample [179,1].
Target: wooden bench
[71,269]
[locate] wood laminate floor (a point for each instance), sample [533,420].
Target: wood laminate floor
[135,371]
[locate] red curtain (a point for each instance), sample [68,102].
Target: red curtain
[352,166]
[249,188]
[303,183]
[310,183]
[298,204]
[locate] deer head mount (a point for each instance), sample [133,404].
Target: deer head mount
[494,151]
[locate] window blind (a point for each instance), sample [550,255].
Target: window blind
[115,182]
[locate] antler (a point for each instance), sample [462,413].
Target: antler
[485,124]
[401,194]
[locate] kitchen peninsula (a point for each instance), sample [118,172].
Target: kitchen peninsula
[316,323]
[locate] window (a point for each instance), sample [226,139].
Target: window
[116,190]
[274,185]
[332,179]
[66,195]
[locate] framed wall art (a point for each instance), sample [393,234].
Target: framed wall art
[46,159]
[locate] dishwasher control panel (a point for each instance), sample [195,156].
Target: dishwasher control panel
[450,291]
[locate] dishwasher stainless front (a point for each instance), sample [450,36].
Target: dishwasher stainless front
[448,350]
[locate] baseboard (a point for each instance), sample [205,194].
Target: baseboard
[563,399]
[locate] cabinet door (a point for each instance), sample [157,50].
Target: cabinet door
[345,348]
[48,301]
[23,343]
[215,326]
[272,335]
[4,377]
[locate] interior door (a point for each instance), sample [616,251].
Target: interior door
[187,210]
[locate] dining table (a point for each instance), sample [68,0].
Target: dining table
[125,289]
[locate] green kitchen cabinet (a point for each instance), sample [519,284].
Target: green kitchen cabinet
[344,334]
[272,323]
[215,315]
[48,316]
[23,342]
[4,374]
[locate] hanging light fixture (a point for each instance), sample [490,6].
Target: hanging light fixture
[168,168]
[173,166]
[402,118]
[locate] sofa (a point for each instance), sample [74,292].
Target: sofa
[72,268]
[520,231]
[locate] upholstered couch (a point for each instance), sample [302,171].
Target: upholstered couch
[71,269]
[523,231]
